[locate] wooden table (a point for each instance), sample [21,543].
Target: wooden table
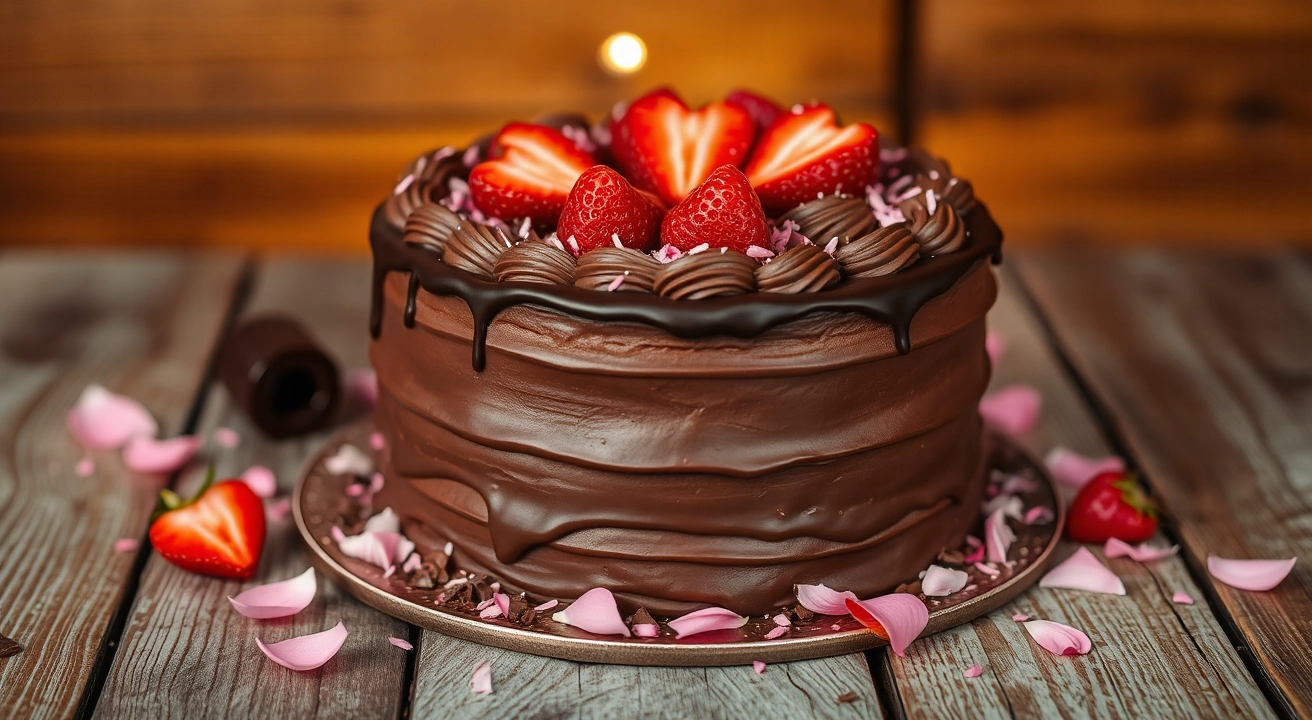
[1197,367]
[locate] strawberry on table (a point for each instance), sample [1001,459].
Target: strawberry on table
[763,110]
[603,205]
[531,174]
[218,532]
[668,149]
[1112,505]
[805,154]
[721,212]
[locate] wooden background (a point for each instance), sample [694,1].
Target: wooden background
[279,123]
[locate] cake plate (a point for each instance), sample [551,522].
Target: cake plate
[320,499]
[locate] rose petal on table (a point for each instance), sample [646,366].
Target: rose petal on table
[349,460]
[226,437]
[148,455]
[1057,638]
[973,671]
[123,545]
[279,509]
[998,536]
[940,581]
[822,600]
[261,481]
[481,681]
[1013,409]
[758,667]
[102,420]
[1039,515]
[383,521]
[1020,617]
[85,467]
[1115,547]
[1083,571]
[546,605]
[1182,598]
[403,644]
[362,384]
[1073,469]
[1256,575]
[306,652]
[775,632]
[595,611]
[377,441]
[278,599]
[899,618]
[706,620]
[646,630]
[995,344]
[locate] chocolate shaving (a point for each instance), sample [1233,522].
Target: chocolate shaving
[535,262]
[801,613]
[832,217]
[422,579]
[952,557]
[642,617]
[475,248]
[801,268]
[911,587]
[520,611]
[848,697]
[431,225]
[9,648]
[707,274]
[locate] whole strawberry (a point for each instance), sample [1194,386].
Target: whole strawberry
[603,206]
[218,532]
[1111,505]
[721,212]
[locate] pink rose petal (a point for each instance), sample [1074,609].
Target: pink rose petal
[1256,575]
[781,619]
[102,420]
[123,545]
[503,602]
[1018,484]
[306,652]
[382,549]
[1013,409]
[1039,515]
[988,569]
[995,344]
[646,630]
[1182,598]
[706,620]
[362,384]
[776,631]
[349,460]
[974,671]
[546,605]
[897,617]
[148,455]
[481,681]
[412,564]
[490,612]
[280,509]
[1139,553]
[261,481]
[1020,617]
[595,611]
[941,581]
[1083,571]
[976,553]
[822,600]
[758,667]
[998,536]
[1058,639]
[403,644]
[377,441]
[279,599]
[1073,469]
[226,437]
[376,482]
[85,467]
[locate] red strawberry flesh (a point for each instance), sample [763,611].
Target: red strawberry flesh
[721,212]
[221,533]
[602,206]
[531,177]
[805,154]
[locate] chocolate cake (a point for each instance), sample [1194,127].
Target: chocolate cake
[694,357]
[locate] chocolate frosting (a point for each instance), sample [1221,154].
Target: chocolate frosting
[884,251]
[430,225]
[832,217]
[424,181]
[706,274]
[598,269]
[939,231]
[535,262]
[802,268]
[475,248]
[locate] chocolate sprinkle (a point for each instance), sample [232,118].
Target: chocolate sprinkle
[801,268]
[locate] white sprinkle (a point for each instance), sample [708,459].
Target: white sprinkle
[523,229]
[406,182]
[573,245]
[615,239]
[724,250]
[700,248]
[448,549]
[758,252]
[470,158]
[832,246]
[933,174]
[454,582]
[615,284]
[930,202]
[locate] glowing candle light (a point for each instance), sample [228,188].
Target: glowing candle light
[622,54]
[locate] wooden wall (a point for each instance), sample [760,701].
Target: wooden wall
[279,123]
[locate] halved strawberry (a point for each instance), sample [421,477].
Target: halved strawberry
[667,149]
[218,532]
[763,110]
[721,212]
[805,153]
[534,168]
[603,204]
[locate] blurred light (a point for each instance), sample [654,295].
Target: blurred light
[622,54]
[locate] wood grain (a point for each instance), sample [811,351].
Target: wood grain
[1125,122]
[1204,363]
[186,652]
[143,326]
[533,687]
[1151,657]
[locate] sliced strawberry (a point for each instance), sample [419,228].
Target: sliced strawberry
[665,148]
[534,168]
[805,154]
[763,110]
[721,212]
[219,532]
[604,205]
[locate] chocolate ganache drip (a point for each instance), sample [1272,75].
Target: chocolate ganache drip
[430,225]
[934,223]
[475,247]
[598,269]
[881,252]
[832,217]
[707,274]
[801,268]
[535,262]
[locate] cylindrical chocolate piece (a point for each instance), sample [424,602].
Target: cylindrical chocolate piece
[284,381]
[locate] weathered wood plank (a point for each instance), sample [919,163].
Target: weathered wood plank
[143,326]
[534,687]
[1204,363]
[185,651]
[1151,658]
